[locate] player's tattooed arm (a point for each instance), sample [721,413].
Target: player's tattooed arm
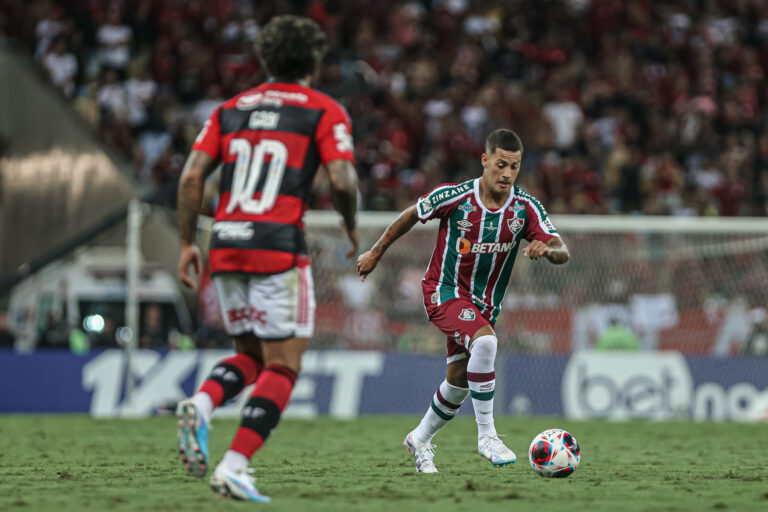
[343,178]
[554,250]
[397,228]
[190,198]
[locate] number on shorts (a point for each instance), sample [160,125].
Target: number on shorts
[248,171]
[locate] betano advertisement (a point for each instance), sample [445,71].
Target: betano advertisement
[345,384]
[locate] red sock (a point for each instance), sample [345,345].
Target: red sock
[230,377]
[262,412]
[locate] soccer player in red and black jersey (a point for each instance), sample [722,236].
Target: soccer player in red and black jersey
[270,142]
[482,222]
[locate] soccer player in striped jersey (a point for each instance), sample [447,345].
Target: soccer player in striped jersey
[482,222]
[270,141]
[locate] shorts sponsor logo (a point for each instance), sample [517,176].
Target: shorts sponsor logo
[435,297]
[233,230]
[464,225]
[467,314]
[467,207]
[263,120]
[457,337]
[243,314]
[515,225]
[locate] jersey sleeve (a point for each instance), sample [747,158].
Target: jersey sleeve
[209,139]
[431,205]
[539,226]
[334,135]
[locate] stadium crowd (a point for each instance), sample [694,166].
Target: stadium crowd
[624,106]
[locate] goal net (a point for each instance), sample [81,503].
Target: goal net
[697,285]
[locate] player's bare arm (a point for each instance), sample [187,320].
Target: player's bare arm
[343,179]
[198,167]
[397,228]
[554,250]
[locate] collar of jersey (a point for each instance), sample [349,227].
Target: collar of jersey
[476,191]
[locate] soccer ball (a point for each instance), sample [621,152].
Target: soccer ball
[554,453]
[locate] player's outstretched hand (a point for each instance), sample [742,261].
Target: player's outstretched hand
[190,255]
[536,249]
[366,262]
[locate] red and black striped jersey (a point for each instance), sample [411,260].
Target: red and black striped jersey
[271,141]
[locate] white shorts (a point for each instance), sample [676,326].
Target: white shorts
[273,307]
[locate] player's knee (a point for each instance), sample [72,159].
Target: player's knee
[484,347]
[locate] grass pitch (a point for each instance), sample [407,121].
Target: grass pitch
[75,463]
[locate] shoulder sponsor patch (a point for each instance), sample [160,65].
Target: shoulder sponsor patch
[467,314]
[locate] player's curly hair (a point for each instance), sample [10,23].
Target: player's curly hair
[290,47]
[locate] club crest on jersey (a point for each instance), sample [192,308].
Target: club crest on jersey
[467,207]
[467,314]
[464,225]
[515,225]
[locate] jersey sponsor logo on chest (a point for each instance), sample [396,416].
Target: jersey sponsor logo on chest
[464,246]
[263,120]
[233,230]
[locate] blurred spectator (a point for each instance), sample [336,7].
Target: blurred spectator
[114,39]
[618,337]
[7,338]
[61,66]
[152,333]
[653,107]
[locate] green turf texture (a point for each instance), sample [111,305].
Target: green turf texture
[56,463]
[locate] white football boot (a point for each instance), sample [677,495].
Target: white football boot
[240,485]
[423,453]
[491,448]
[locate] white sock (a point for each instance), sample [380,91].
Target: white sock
[482,382]
[445,405]
[234,461]
[204,404]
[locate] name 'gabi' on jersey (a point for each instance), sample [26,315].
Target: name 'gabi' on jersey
[476,246]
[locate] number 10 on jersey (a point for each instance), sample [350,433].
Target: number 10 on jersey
[248,168]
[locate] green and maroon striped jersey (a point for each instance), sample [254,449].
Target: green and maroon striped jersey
[476,246]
